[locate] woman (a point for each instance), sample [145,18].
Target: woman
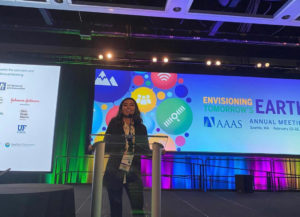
[126,137]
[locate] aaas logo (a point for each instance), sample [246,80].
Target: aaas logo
[2,85]
[212,122]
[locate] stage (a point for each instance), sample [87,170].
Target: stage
[178,203]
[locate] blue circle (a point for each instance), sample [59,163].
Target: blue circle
[181,91]
[148,122]
[186,134]
[157,129]
[103,128]
[178,149]
[169,94]
[188,99]
[97,118]
[111,85]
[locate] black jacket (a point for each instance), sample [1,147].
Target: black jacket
[115,146]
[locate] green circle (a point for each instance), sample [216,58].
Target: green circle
[148,83]
[174,116]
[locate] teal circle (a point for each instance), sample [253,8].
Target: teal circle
[146,76]
[148,83]
[174,116]
[169,94]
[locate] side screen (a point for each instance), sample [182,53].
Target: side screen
[28,97]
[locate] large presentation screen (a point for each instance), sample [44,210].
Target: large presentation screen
[28,97]
[206,113]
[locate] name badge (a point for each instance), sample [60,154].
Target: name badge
[126,162]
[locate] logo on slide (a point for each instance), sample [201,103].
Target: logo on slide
[2,85]
[111,85]
[212,122]
[24,114]
[21,128]
[1,100]
[7,145]
[102,80]
[209,121]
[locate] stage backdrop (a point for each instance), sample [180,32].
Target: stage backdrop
[28,96]
[206,113]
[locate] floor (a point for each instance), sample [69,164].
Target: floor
[203,204]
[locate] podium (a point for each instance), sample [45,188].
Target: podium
[141,145]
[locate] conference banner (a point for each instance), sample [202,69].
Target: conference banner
[206,113]
[28,97]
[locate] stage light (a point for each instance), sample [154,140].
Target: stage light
[267,65]
[154,59]
[109,55]
[208,62]
[165,59]
[218,63]
[100,57]
[258,65]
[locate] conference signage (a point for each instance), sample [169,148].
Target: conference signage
[206,113]
[28,97]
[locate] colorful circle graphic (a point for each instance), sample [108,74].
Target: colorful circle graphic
[181,91]
[111,85]
[168,143]
[97,118]
[148,122]
[180,141]
[138,80]
[163,80]
[161,95]
[174,116]
[103,106]
[111,114]
[145,98]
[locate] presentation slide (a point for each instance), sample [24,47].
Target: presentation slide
[28,97]
[206,113]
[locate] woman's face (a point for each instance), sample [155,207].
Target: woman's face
[128,107]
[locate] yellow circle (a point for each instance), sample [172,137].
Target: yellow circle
[145,98]
[161,95]
[103,106]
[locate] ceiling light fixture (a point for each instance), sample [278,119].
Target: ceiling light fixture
[109,55]
[100,57]
[208,62]
[218,63]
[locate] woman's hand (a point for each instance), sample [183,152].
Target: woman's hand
[91,148]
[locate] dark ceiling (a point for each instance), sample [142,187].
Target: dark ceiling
[79,36]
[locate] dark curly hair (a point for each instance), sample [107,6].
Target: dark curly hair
[136,115]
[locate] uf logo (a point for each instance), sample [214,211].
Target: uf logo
[2,85]
[21,128]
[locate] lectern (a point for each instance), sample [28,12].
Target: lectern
[140,144]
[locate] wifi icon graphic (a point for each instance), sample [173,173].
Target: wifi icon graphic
[164,76]
[163,80]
